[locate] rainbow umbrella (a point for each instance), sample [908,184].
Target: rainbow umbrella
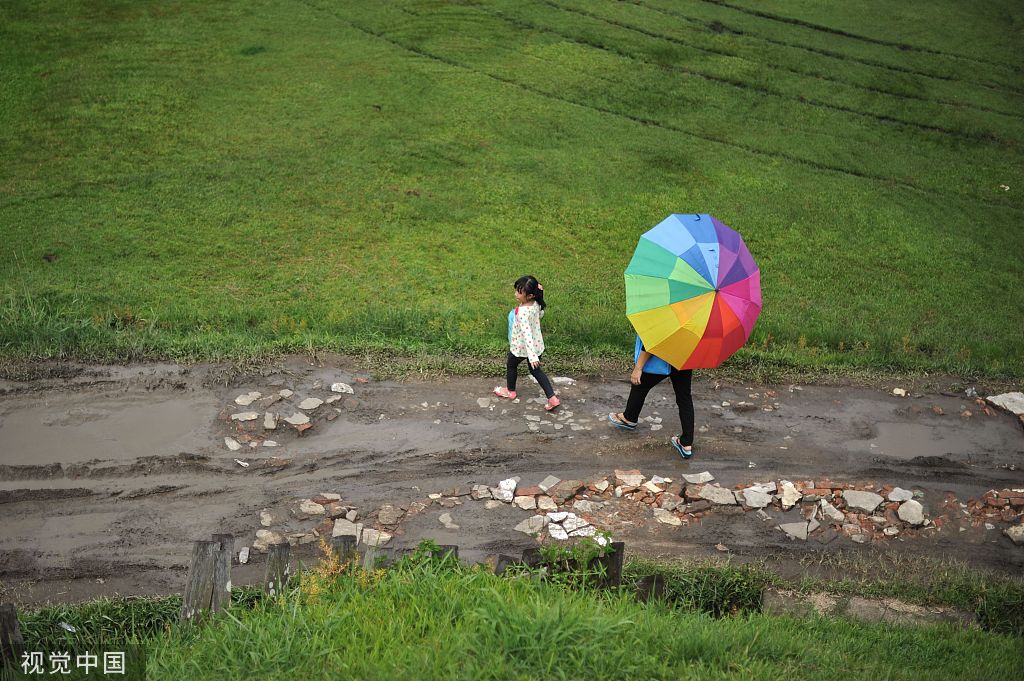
[693,291]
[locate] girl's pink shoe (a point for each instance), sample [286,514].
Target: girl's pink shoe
[552,403]
[505,392]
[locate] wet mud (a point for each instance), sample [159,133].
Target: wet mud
[108,474]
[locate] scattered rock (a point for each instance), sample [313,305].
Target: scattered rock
[911,512]
[558,532]
[264,538]
[297,419]
[243,464]
[861,501]
[891,531]
[483,402]
[899,392]
[269,421]
[585,531]
[527,503]
[563,380]
[651,487]
[631,478]
[351,515]
[286,393]
[372,537]
[389,515]
[308,507]
[795,530]
[533,525]
[343,526]
[480,492]
[446,520]
[587,506]
[667,517]
[717,495]
[790,495]
[546,503]
[243,555]
[558,516]
[232,444]
[310,403]
[699,478]
[245,416]
[573,522]
[1011,402]
[1016,534]
[548,482]
[343,388]
[831,513]
[755,498]
[900,494]
[491,504]
[247,399]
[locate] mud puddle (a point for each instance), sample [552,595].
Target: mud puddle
[107,479]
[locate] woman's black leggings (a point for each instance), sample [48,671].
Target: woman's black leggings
[512,373]
[684,400]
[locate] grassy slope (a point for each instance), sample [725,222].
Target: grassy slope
[221,179]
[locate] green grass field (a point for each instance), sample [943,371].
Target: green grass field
[205,180]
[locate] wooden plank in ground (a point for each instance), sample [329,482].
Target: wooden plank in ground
[345,546]
[650,588]
[222,571]
[278,569]
[198,596]
[612,562]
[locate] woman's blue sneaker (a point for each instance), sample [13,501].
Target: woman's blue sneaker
[683,452]
[619,423]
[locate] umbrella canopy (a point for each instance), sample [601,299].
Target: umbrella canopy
[693,291]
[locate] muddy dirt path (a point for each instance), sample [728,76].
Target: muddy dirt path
[107,474]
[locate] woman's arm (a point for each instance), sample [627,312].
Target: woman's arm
[634,377]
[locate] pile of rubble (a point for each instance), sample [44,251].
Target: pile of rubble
[264,414]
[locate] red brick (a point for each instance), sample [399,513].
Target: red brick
[1016,501]
[528,491]
[994,501]
[818,492]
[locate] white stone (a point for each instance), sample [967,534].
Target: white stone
[755,498]
[862,501]
[297,419]
[790,495]
[1011,402]
[269,421]
[509,485]
[286,393]
[630,479]
[658,480]
[483,402]
[900,494]
[372,537]
[585,531]
[652,488]
[766,487]
[563,380]
[531,417]
[891,531]
[330,496]
[717,495]
[573,522]
[548,482]
[601,485]
[526,503]
[533,525]
[310,403]
[557,532]
[492,504]
[264,538]
[699,478]
[899,392]
[1016,534]
[830,512]
[344,526]
[667,517]
[232,444]
[247,399]
[446,520]
[352,515]
[558,516]
[911,512]
[245,416]
[266,518]
[502,495]
[344,388]
[546,503]
[243,555]
[480,492]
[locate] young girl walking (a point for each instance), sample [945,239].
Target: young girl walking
[525,340]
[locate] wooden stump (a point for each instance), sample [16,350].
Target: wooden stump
[503,562]
[199,589]
[222,571]
[12,644]
[612,562]
[345,546]
[650,588]
[278,568]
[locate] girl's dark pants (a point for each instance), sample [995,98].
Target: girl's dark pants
[512,373]
[684,400]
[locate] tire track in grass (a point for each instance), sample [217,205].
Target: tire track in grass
[903,47]
[974,137]
[648,122]
[717,26]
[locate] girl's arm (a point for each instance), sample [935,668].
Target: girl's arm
[634,377]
